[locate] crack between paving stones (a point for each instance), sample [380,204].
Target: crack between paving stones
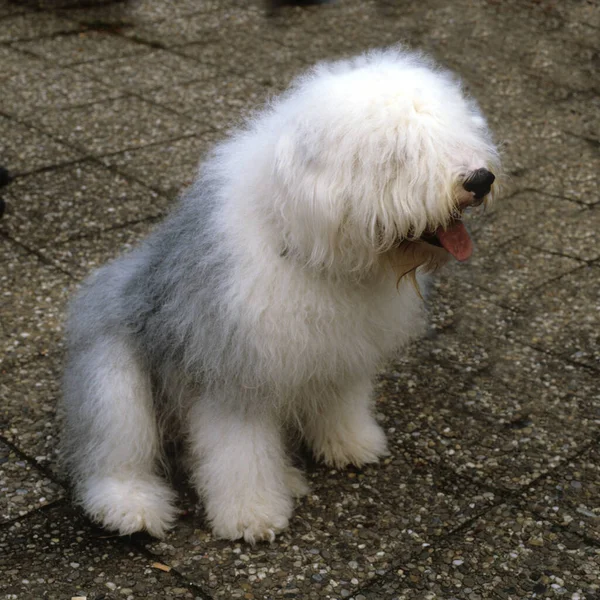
[41,257]
[506,497]
[100,232]
[33,512]
[34,463]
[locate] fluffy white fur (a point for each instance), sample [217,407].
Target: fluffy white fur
[265,304]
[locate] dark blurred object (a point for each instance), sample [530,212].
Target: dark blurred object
[5,179]
[274,5]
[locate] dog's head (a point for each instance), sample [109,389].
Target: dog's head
[379,155]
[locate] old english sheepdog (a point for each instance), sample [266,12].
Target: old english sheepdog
[263,306]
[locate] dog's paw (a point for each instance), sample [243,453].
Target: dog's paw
[254,521]
[128,505]
[295,482]
[364,445]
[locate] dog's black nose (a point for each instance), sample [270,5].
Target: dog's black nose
[479,182]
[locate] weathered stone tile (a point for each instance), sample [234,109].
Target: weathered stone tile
[503,414]
[115,125]
[31,93]
[30,25]
[82,255]
[513,272]
[57,555]
[563,318]
[83,47]
[515,216]
[506,554]
[570,496]
[198,27]
[141,73]
[30,390]
[216,104]
[79,199]
[168,167]
[33,298]
[24,148]
[22,487]
[575,236]
[348,530]
[14,62]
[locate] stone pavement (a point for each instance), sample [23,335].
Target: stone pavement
[493,486]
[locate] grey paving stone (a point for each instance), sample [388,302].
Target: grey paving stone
[564,317]
[56,555]
[569,496]
[115,125]
[349,529]
[508,554]
[515,217]
[82,255]
[83,47]
[143,72]
[32,93]
[216,104]
[33,296]
[575,236]
[22,487]
[25,149]
[168,167]
[514,272]
[497,412]
[30,25]
[51,207]
[30,390]
[198,27]
[267,59]
[574,178]
[14,62]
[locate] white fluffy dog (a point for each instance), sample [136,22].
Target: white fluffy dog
[267,301]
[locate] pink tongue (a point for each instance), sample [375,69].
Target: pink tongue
[456,240]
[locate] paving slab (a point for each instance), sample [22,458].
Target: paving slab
[33,92]
[25,148]
[218,104]
[563,319]
[348,530]
[570,496]
[169,167]
[82,47]
[143,72]
[81,255]
[30,390]
[53,206]
[33,297]
[22,487]
[30,25]
[508,554]
[55,554]
[114,125]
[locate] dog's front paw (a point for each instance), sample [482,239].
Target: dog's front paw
[254,521]
[128,504]
[362,445]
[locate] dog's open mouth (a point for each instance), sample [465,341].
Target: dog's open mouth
[455,239]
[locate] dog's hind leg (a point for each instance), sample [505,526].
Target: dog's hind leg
[341,429]
[111,441]
[241,469]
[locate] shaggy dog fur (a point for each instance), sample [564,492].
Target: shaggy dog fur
[267,301]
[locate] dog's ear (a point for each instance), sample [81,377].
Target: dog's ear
[312,206]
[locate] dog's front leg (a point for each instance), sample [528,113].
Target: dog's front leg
[240,467]
[340,427]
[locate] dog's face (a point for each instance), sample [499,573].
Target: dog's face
[376,154]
